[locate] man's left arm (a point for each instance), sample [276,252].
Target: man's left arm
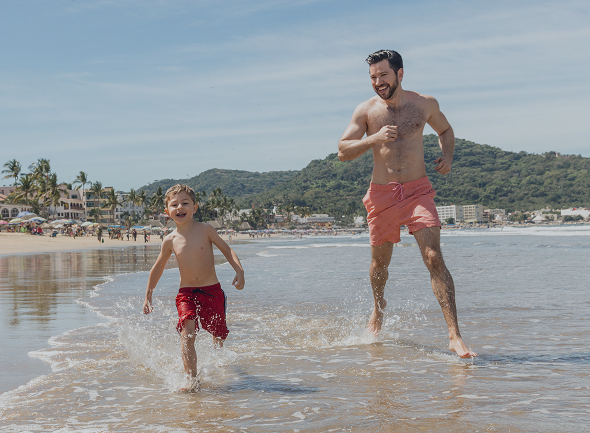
[446,137]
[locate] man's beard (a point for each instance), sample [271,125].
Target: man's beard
[392,90]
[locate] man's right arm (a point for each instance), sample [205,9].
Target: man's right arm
[352,144]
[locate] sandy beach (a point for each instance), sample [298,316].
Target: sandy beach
[21,243]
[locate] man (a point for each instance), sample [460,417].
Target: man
[400,193]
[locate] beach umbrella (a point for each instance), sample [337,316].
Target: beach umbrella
[38,219]
[46,226]
[16,220]
[87,223]
[3,222]
[26,213]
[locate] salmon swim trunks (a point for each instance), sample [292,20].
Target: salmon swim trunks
[395,204]
[208,304]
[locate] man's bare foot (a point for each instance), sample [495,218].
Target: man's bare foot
[376,319]
[456,345]
[192,385]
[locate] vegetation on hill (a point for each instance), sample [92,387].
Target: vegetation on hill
[481,174]
[234,183]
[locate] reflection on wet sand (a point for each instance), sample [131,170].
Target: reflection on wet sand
[35,288]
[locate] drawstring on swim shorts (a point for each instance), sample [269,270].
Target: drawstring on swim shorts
[397,189]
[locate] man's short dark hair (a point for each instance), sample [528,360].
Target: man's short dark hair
[393,57]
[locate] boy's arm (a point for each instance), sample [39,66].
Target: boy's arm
[156,273]
[230,255]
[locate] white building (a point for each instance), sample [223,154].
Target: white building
[454,211]
[9,211]
[127,206]
[71,206]
[576,211]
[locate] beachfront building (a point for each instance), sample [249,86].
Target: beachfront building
[581,211]
[319,220]
[473,213]
[71,205]
[128,206]
[7,190]
[9,211]
[97,203]
[453,211]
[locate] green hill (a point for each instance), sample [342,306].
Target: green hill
[481,174]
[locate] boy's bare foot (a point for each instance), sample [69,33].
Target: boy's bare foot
[193,385]
[456,345]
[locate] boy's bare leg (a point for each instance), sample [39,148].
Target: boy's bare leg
[442,285]
[218,342]
[189,355]
[378,273]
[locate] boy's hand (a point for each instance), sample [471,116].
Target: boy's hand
[147,307]
[239,281]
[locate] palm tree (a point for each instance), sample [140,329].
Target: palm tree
[97,193]
[132,197]
[82,180]
[53,191]
[95,214]
[144,201]
[158,203]
[111,202]
[13,169]
[41,171]
[25,187]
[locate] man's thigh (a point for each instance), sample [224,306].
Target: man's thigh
[428,239]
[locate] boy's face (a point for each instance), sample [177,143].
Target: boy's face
[181,208]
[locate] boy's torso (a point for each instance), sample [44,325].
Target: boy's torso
[194,253]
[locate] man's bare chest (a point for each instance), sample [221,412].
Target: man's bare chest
[409,119]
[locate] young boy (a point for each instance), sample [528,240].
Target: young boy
[200,293]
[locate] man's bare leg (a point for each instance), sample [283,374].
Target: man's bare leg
[189,355]
[442,285]
[380,258]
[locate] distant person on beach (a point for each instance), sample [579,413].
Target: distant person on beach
[134,235]
[145,236]
[200,295]
[400,192]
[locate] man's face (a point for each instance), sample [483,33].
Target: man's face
[180,207]
[384,79]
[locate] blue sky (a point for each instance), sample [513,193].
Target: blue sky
[131,91]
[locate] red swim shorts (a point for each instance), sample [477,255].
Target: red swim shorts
[395,204]
[208,304]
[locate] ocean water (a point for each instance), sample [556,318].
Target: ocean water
[298,357]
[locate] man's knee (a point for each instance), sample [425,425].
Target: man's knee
[433,259]
[379,269]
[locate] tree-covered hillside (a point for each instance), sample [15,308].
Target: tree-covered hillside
[233,183]
[481,174]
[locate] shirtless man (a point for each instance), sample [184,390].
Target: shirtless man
[400,192]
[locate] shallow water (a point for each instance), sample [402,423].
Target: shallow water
[298,357]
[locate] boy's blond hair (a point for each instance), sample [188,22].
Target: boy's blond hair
[173,190]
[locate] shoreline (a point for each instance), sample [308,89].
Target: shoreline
[23,243]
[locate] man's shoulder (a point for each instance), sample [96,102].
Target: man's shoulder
[370,103]
[419,98]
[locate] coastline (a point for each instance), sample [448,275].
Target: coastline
[22,243]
